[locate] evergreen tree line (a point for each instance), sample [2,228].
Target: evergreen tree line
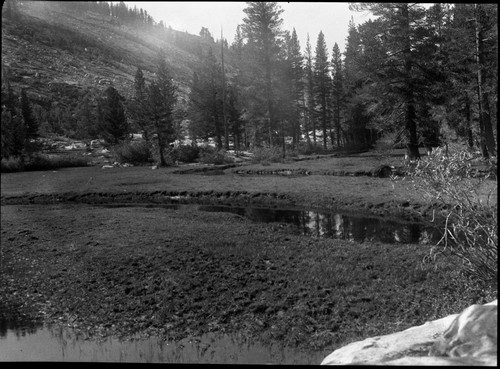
[19,128]
[423,75]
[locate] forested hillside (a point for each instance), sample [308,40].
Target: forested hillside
[65,54]
[414,76]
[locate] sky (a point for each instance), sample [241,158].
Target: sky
[332,18]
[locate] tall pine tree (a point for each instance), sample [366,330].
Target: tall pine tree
[322,85]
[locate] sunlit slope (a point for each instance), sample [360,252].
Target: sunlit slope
[55,52]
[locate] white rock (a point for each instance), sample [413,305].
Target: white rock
[410,347]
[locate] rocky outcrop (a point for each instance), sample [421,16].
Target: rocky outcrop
[468,338]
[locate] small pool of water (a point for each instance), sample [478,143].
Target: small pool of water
[31,342]
[325,224]
[337,225]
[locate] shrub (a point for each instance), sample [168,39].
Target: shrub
[186,153]
[209,155]
[41,162]
[137,153]
[273,154]
[11,164]
[471,227]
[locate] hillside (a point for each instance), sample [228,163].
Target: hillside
[58,54]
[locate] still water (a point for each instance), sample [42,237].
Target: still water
[326,224]
[359,228]
[31,342]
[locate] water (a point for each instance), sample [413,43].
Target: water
[32,342]
[338,225]
[325,224]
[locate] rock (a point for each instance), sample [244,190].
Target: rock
[107,166]
[382,171]
[468,338]
[154,167]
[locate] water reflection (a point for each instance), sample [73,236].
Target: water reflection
[340,226]
[44,343]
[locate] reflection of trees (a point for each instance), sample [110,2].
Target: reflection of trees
[20,327]
[340,226]
[305,217]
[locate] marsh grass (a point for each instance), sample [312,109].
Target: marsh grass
[41,162]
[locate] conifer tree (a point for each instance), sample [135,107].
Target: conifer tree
[138,105]
[391,63]
[205,110]
[322,84]
[112,123]
[310,98]
[295,74]
[162,99]
[262,31]
[29,120]
[337,88]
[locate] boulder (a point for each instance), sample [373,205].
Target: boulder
[382,171]
[468,338]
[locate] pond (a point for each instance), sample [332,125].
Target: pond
[361,228]
[326,224]
[27,341]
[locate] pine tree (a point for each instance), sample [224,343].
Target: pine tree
[337,88]
[86,119]
[391,63]
[486,130]
[262,31]
[205,110]
[161,104]
[295,74]
[310,98]
[29,120]
[138,106]
[112,123]
[322,84]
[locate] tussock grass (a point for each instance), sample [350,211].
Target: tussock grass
[41,162]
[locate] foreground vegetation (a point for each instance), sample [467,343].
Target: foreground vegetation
[122,271]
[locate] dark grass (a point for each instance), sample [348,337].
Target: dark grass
[41,162]
[178,273]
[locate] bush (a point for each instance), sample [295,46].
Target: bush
[41,162]
[137,153]
[185,153]
[209,155]
[471,226]
[265,155]
[11,164]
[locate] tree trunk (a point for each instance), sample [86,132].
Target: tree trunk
[337,120]
[486,129]
[283,139]
[161,148]
[411,124]
[468,122]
